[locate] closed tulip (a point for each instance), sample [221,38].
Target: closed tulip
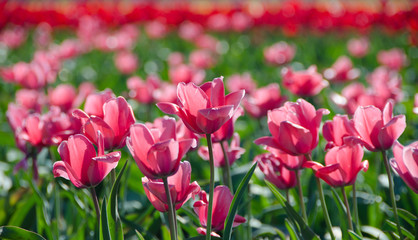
[336,130]
[405,163]
[233,151]
[275,172]
[378,130]
[303,83]
[81,164]
[222,198]
[156,151]
[342,164]
[294,127]
[95,101]
[259,101]
[204,109]
[180,187]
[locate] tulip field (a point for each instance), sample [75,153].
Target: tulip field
[199,120]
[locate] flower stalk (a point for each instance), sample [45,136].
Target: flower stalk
[349,219]
[227,169]
[172,220]
[211,187]
[324,208]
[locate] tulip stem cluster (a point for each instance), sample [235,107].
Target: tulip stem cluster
[324,208]
[96,204]
[392,192]
[355,208]
[349,219]
[211,187]
[172,219]
[227,169]
[302,203]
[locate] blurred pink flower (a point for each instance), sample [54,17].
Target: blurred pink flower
[358,47]
[238,82]
[342,70]
[233,151]
[126,62]
[241,21]
[261,100]
[275,172]
[186,74]
[218,22]
[394,59]
[202,59]
[63,96]
[280,53]
[405,163]
[142,91]
[156,29]
[303,83]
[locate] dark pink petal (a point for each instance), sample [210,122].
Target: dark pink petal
[294,139]
[211,119]
[168,108]
[217,97]
[108,158]
[391,131]
[234,98]
[267,141]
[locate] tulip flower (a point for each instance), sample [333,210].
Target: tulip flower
[221,203]
[342,70]
[261,100]
[238,82]
[186,74]
[117,119]
[95,101]
[241,21]
[189,30]
[202,59]
[156,29]
[394,59]
[294,127]
[358,47]
[279,53]
[275,172]
[303,83]
[204,109]
[227,130]
[63,96]
[290,162]
[30,99]
[405,163]
[142,91]
[234,152]
[126,62]
[218,22]
[181,189]
[175,59]
[81,165]
[342,164]
[378,130]
[336,130]
[156,151]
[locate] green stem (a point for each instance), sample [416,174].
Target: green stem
[324,208]
[211,187]
[113,176]
[227,169]
[249,232]
[171,211]
[57,207]
[96,204]
[392,193]
[350,222]
[355,208]
[302,203]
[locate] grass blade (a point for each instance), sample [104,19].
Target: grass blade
[12,232]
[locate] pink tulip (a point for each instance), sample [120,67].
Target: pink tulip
[275,172]
[14,37]
[186,74]
[386,84]
[288,161]
[95,101]
[336,130]
[16,115]
[227,130]
[378,130]
[204,109]
[218,22]
[156,151]
[222,198]
[156,29]
[117,119]
[202,59]
[234,152]
[30,99]
[394,59]
[81,165]
[241,21]
[175,59]
[34,130]
[141,90]
[415,110]
[405,163]
[358,47]
[294,127]
[279,53]
[63,96]
[166,92]
[181,189]
[261,100]
[182,132]
[189,30]
[303,83]
[342,70]
[342,164]
[238,82]
[206,41]
[126,62]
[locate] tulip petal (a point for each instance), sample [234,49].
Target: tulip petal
[267,141]
[368,121]
[62,169]
[294,139]
[234,98]
[168,108]
[391,131]
[108,158]
[211,119]
[217,97]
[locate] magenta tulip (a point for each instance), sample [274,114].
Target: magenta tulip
[336,130]
[261,100]
[204,109]
[294,127]
[342,164]
[222,198]
[275,172]
[156,151]
[180,187]
[234,152]
[303,83]
[405,163]
[81,165]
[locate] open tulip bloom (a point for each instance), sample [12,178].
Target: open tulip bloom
[405,163]
[204,109]
[81,164]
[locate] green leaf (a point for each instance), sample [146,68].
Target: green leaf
[115,224]
[343,214]
[12,232]
[394,228]
[354,235]
[140,237]
[305,230]
[291,229]
[104,225]
[235,201]
[405,215]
